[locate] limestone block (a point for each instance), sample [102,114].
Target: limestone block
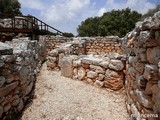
[156,99]
[101,77]
[81,73]
[145,100]
[98,84]
[7,107]
[153,55]
[5,49]
[20,106]
[139,67]
[104,64]
[66,67]
[97,69]
[92,74]
[51,65]
[141,82]
[90,81]
[8,88]
[113,80]
[151,72]
[2,81]
[1,111]
[116,65]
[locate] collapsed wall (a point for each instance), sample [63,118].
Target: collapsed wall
[20,60]
[142,84]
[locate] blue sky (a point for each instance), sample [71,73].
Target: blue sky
[66,15]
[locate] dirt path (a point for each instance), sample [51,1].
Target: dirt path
[59,98]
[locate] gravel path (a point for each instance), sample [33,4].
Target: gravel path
[60,98]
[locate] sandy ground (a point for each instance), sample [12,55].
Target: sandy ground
[60,98]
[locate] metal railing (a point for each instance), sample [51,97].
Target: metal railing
[26,24]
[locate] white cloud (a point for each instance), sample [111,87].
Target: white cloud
[33,4]
[66,15]
[141,6]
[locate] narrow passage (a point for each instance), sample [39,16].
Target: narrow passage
[60,98]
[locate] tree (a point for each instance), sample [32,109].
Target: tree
[66,34]
[88,27]
[116,22]
[11,7]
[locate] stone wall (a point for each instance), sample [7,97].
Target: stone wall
[97,45]
[100,71]
[20,60]
[53,41]
[103,45]
[142,83]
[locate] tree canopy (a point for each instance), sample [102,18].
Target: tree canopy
[11,7]
[116,22]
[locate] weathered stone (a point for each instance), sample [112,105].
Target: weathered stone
[15,100]
[139,67]
[141,82]
[8,88]
[90,81]
[150,87]
[116,65]
[61,55]
[7,107]
[92,74]
[81,73]
[2,81]
[132,73]
[53,53]
[142,54]
[20,106]
[77,63]
[146,101]
[1,111]
[98,83]
[101,77]
[23,73]
[8,58]
[151,72]
[66,67]
[132,60]
[104,64]
[1,63]
[153,55]
[29,88]
[5,49]
[97,69]
[156,97]
[51,65]
[113,80]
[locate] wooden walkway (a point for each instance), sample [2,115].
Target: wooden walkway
[25,24]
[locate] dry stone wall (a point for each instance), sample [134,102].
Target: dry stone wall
[103,45]
[97,45]
[105,70]
[20,60]
[142,83]
[53,41]
[100,71]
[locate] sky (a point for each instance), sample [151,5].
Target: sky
[66,15]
